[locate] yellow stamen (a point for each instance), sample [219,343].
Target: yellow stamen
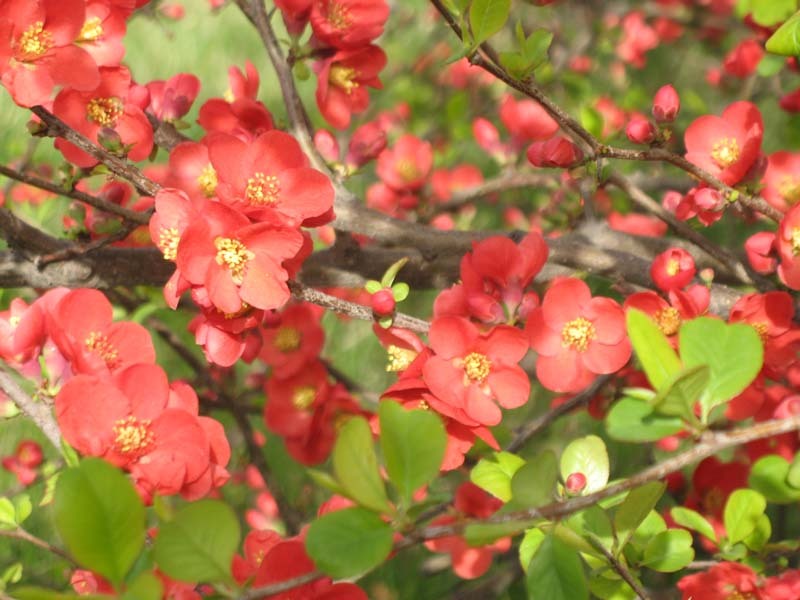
[91,31]
[344,77]
[477,367]
[725,152]
[168,238]
[132,436]
[287,339]
[99,344]
[262,189]
[104,111]
[399,358]
[303,397]
[34,42]
[207,181]
[577,334]
[234,255]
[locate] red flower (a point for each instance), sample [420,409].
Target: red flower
[24,461]
[226,338]
[38,50]
[190,169]
[637,224]
[743,60]
[557,152]
[126,420]
[788,242]
[726,146]
[342,82]
[406,165]
[673,269]
[270,176]
[526,120]
[245,118]
[576,336]
[668,315]
[640,130]
[103,32]
[237,262]
[294,342]
[104,107]
[170,100]
[81,326]
[348,23]
[760,250]
[782,180]
[721,582]
[471,373]
[444,182]
[637,39]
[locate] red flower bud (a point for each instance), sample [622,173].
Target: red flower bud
[673,269]
[666,104]
[383,302]
[326,144]
[575,483]
[640,131]
[367,143]
[555,152]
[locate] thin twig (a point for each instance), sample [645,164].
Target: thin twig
[21,534]
[621,569]
[38,412]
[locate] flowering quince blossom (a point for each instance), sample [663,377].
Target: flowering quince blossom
[472,372]
[104,107]
[577,337]
[673,269]
[103,32]
[669,316]
[294,342]
[132,421]
[405,166]
[170,100]
[788,243]
[782,180]
[24,461]
[348,23]
[526,120]
[726,146]
[42,52]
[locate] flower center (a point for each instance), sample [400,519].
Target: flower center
[673,266]
[287,339]
[168,238]
[132,436]
[344,77]
[339,16]
[92,30]
[762,329]
[34,42]
[407,169]
[669,320]
[207,180]
[796,240]
[577,334]
[477,366]
[725,152]
[303,397]
[262,189]
[98,343]
[234,255]
[399,358]
[789,189]
[104,111]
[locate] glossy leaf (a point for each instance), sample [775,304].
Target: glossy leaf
[100,517]
[682,392]
[494,474]
[356,466]
[413,444]
[199,543]
[634,510]
[786,40]
[528,546]
[533,484]
[586,455]
[742,512]
[145,587]
[658,359]
[349,542]
[487,17]
[556,572]
[632,420]
[691,519]
[768,476]
[669,551]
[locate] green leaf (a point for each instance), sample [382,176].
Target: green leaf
[373,286]
[590,522]
[528,546]
[481,534]
[325,480]
[679,395]
[691,519]
[556,572]
[8,514]
[792,476]
[12,574]
[100,518]
[769,477]
[400,291]
[356,466]
[759,537]
[533,484]
[734,353]
[494,474]
[632,420]
[669,551]
[770,65]
[658,359]
[391,273]
[199,543]
[742,512]
[786,40]
[586,455]
[592,120]
[771,12]
[487,17]
[349,542]
[634,510]
[145,587]
[22,508]
[413,444]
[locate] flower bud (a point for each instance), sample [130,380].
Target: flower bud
[367,143]
[666,104]
[575,483]
[673,269]
[640,131]
[383,302]
[555,152]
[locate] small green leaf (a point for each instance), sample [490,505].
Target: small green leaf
[742,512]
[586,455]
[481,534]
[391,273]
[347,543]
[634,510]
[145,587]
[556,572]
[681,392]
[658,359]
[494,474]
[12,574]
[592,120]
[199,543]
[8,517]
[22,508]
[769,477]
[771,12]
[100,517]
[373,286]
[792,476]
[325,480]
[400,291]
[669,551]
[356,466]
[759,537]
[413,444]
[691,519]
[533,484]
[632,420]
[734,353]
[590,522]
[487,17]
[530,543]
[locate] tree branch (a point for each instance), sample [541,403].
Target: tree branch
[38,412]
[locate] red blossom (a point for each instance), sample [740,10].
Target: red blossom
[348,23]
[526,120]
[576,336]
[722,581]
[666,104]
[673,269]
[294,342]
[743,60]
[406,165]
[782,180]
